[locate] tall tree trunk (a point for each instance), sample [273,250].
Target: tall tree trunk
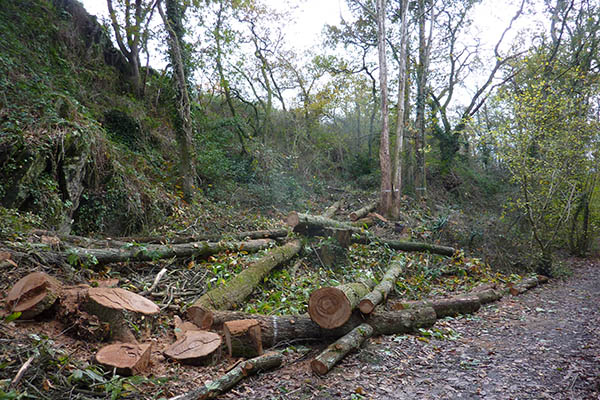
[183,120]
[384,144]
[397,182]
[420,172]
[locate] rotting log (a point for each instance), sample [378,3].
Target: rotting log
[314,225]
[230,379]
[243,338]
[260,234]
[331,210]
[380,293]
[524,285]
[33,294]
[363,222]
[351,341]
[127,358]
[407,246]
[241,286]
[153,252]
[331,307]
[196,348]
[288,328]
[360,213]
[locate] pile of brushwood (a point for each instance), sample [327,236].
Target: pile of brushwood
[209,329]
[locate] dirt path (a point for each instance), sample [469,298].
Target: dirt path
[544,344]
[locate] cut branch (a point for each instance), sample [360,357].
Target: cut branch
[330,212]
[315,224]
[382,290]
[224,383]
[408,246]
[355,215]
[340,348]
[155,252]
[241,286]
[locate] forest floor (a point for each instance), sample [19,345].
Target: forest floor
[544,344]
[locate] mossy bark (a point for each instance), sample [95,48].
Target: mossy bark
[382,290]
[408,246]
[340,348]
[241,286]
[311,225]
[356,215]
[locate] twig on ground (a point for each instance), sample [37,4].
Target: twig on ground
[22,371]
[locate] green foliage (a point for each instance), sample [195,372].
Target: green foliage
[122,128]
[14,222]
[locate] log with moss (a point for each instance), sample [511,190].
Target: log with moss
[237,289]
[360,213]
[230,379]
[527,283]
[331,210]
[178,239]
[276,330]
[488,295]
[314,225]
[153,252]
[380,293]
[407,246]
[450,307]
[336,351]
[331,307]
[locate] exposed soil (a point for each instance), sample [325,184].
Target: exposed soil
[544,344]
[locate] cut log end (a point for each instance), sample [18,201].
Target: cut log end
[293,219]
[329,307]
[243,338]
[201,316]
[33,294]
[196,347]
[366,306]
[127,358]
[319,367]
[121,299]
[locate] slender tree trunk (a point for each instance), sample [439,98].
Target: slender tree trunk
[420,173]
[384,144]
[183,123]
[397,181]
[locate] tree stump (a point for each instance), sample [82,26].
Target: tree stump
[127,358]
[243,338]
[196,348]
[33,294]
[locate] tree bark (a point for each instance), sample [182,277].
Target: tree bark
[183,122]
[451,307]
[308,224]
[409,246]
[260,234]
[330,212]
[290,328]
[155,252]
[356,215]
[340,348]
[487,296]
[241,286]
[224,383]
[382,290]
[331,307]
[243,338]
[385,202]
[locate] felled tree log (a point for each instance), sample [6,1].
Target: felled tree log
[408,246]
[241,286]
[487,296]
[243,338]
[230,379]
[155,252]
[128,358]
[450,307]
[382,290]
[33,294]
[100,313]
[526,284]
[330,212]
[331,307]
[360,213]
[260,234]
[323,363]
[196,348]
[312,225]
[279,329]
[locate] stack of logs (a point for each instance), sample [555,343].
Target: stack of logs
[350,313]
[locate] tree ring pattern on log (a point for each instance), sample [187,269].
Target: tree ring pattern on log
[329,307]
